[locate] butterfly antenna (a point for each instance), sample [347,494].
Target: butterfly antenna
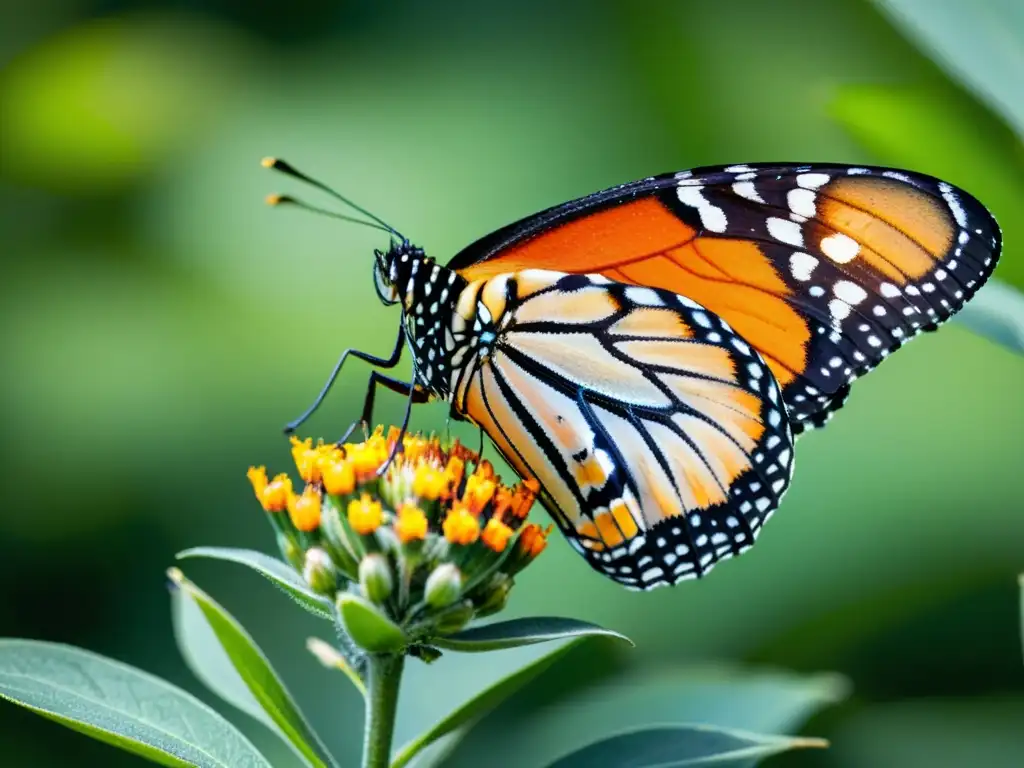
[289,170]
[289,200]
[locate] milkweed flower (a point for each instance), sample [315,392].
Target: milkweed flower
[425,532]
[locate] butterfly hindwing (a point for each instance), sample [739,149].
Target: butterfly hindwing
[658,435]
[824,269]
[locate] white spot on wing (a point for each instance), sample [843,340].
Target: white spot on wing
[812,180]
[889,290]
[644,296]
[839,309]
[950,196]
[801,202]
[785,231]
[801,265]
[839,247]
[849,292]
[712,218]
[747,190]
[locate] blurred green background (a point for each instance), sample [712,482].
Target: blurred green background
[159,324]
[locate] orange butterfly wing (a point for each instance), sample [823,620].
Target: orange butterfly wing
[825,270]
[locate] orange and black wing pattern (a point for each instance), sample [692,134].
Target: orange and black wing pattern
[658,435]
[823,269]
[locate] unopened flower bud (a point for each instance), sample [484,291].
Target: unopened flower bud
[375,577]
[337,540]
[493,597]
[531,542]
[444,586]
[453,618]
[319,571]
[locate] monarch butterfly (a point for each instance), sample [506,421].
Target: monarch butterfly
[648,353]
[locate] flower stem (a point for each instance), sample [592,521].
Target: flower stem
[383,673]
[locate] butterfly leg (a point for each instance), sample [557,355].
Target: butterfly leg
[377,379]
[416,395]
[388,362]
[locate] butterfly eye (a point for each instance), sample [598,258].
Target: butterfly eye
[382,282]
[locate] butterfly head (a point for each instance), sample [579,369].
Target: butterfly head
[395,271]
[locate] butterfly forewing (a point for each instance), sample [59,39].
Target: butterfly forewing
[659,436]
[825,270]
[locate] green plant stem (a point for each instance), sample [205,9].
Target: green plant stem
[383,676]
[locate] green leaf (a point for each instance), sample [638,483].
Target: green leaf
[428,690]
[667,746]
[720,696]
[997,312]
[518,632]
[120,705]
[368,627]
[939,131]
[980,44]
[225,658]
[273,569]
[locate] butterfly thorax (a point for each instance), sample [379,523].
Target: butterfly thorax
[429,293]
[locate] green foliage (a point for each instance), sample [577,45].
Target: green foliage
[273,569]
[980,44]
[223,655]
[123,706]
[504,674]
[676,746]
[997,312]
[518,632]
[720,697]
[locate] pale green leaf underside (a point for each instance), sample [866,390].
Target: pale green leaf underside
[675,746]
[732,698]
[981,44]
[481,702]
[224,657]
[121,705]
[518,632]
[271,568]
[997,312]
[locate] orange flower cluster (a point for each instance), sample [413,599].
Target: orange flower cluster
[421,491]
[426,483]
